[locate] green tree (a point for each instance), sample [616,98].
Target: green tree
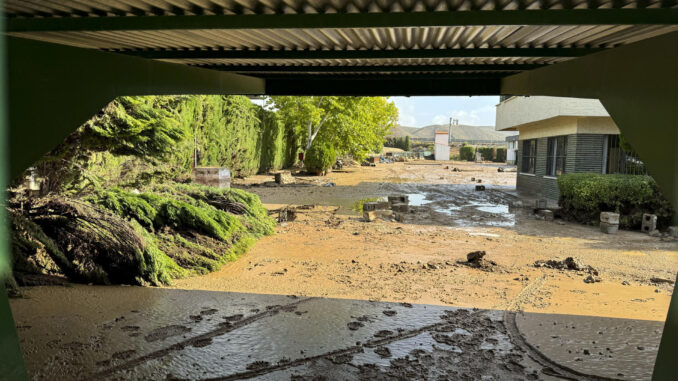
[408,145]
[351,125]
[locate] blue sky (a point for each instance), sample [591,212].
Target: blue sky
[424,111]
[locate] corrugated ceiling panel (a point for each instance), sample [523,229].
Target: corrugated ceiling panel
[60,8]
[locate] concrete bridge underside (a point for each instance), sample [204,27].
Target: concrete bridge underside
[52,89]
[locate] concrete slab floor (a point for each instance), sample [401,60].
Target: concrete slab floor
[134,333]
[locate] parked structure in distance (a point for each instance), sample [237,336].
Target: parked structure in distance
[562,135]
[442,145]
[511,149]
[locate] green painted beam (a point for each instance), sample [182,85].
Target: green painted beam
[655,16]
[12,367]
[53,89]
[382,86]
[363,54]
[370,69]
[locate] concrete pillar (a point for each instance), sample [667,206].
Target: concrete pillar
[638,85]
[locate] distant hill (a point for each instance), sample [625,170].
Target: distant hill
[459,132]
[401,131]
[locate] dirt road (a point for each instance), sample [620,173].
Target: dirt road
[330,251]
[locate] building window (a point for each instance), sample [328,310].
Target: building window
[621,159]
[556,155]
[529,160]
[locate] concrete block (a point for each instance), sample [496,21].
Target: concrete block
[375,205]
[609,217]
[480,187]
[649,223]
[373,215]
[370,216]
[400,199]
[608,228]
[540,204]
[400,207]
[672,231]
[212,176]
[284,178]
[545,214]
[400,217]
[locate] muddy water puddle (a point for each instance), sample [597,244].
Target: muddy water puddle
[96,332]
[459,205]
[440,204]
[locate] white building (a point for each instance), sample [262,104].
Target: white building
[511,149]
[442,145]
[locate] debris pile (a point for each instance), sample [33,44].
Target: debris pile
[571,264]
[287,214]
[476,260]
[394,209]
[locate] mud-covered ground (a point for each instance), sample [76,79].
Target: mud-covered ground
[330,251]
[331,296]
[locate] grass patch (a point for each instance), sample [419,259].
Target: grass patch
[358,205]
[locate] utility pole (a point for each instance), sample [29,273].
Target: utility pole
[449,132]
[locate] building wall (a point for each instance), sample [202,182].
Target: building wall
[550,127]
[442,152]
[516,112]
[584,154]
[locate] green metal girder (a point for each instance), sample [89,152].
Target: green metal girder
[370,69]
[665,16]
[382,85]
[363,54]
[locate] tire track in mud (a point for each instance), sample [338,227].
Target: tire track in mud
[198,341]
[328,355]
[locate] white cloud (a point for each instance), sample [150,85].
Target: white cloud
[406,111]
[479,116]
[406,120]
[441,119]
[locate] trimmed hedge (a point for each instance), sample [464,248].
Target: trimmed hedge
[319,158]
[486,152]
[500,156]
[467,152]
[584,195]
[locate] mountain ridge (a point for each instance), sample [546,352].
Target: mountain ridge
[458,132]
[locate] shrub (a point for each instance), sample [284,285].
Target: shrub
[486,152]
[319,158]
[584,195]
[467,153]
[500,156]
